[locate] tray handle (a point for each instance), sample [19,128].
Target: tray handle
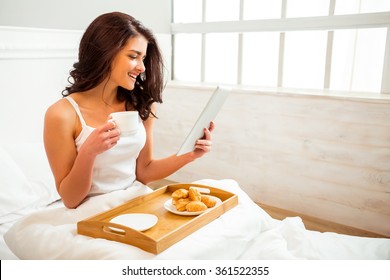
[99,229]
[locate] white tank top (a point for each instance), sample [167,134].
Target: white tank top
[113,169]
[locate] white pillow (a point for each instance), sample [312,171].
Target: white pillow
[16,192]
[32,161]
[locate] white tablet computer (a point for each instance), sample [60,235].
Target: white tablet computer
[208,114]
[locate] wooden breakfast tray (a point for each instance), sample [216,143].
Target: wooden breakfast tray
[170,227]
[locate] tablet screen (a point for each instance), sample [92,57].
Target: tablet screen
[208,114]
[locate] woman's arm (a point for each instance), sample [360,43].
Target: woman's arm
[73,171]
[150,169]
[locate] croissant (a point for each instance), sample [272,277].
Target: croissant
[181,204]
[209,201]
[195,206]
[194,194]
[180,193]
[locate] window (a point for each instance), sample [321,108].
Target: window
[323,44]
[187,61]
[222,10]
[266,71]
[221,62]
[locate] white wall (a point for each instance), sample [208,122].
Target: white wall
[77,14]
[34,66]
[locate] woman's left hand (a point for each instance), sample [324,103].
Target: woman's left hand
[203,145]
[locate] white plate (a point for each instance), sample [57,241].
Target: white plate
[171,208]
[135,221]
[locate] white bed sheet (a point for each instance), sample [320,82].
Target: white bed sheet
[244,232]
[5,252]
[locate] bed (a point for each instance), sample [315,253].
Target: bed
[36,225]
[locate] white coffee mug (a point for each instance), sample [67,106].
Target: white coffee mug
[127,122]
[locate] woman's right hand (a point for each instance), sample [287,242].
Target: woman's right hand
[102,139]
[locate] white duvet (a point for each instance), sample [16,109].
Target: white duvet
[244,232]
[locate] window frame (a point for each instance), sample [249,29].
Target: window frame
[330,23]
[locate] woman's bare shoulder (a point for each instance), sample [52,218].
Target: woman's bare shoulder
[61,110]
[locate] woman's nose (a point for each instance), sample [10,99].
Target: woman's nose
[141,66]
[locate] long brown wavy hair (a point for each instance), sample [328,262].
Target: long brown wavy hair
[102,40]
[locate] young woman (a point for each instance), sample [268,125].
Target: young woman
[119,68]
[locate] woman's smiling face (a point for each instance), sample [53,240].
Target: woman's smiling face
[129,62]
